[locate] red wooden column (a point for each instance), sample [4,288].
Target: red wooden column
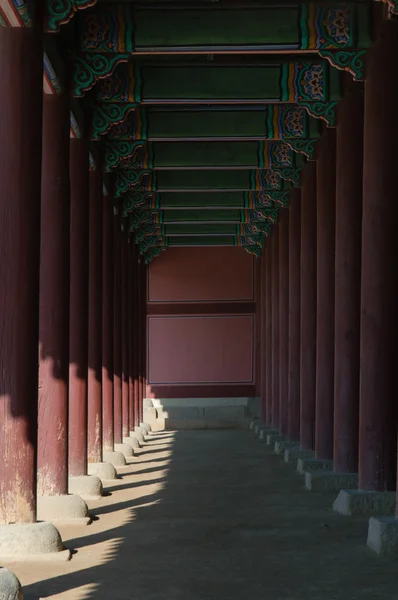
[325,278]
[20,169]
[136,346]
[132,348]
[349,163]
[308,307]
[117,331]
[263,336]
[52,458]
[268,332]
[283,320]
[95,319]
[125,333]
[275,326]
[294,315]
[107,324]
[378,401]
[78,321]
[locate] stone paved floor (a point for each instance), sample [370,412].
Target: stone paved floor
[214,515]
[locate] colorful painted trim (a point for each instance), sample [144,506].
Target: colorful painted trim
[92,163]
[265,199]
[146,229]
[51,83]
[109,28]
[125,84]
[266,179]
[129,155]
[75,131]
[15,13]
[152,253]
[274,154]
[133,200]
[351,61]
[260,215]
[306,147]
[322,110]
[252,240]
[153,241]
[249,229]
[108,115]
[326,26]
[144,181]
[305,81]
[91,68]
[61,12]
[133,127]
[285,121]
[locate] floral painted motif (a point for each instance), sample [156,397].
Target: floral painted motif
[336,22]
[293,122]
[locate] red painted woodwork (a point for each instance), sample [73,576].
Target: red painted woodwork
[283,320]
[263,337]
[201,275]
[201,349]
[275,325]
[378,402]
[132,307]
[349,164]
[52,454]
[20,168]
[268,333]
[125,333]
[294,315]
[94,413]
[117,332]
[107,324]
[325,278]
[78,321]
[308,307]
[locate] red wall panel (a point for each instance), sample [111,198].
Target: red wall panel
[201,275]
[211,349]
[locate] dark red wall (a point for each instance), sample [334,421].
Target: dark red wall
[201,323]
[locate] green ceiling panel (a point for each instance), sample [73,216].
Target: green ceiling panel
[223,179]
[196,200]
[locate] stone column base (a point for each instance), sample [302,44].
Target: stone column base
[383,535]
[354,503]
[323,481]
[115,458]
[104,470]
[253,423]
[293,454]
[274,437]
[146,426]
[126,450]
[264,431]
[138,434]
[31,541]
[10,586]
[132,441]
[313,464]
[280,447]
[63,510]
[88,487]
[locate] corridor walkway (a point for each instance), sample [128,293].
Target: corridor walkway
[213,515]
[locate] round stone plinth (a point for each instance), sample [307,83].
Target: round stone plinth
[69,509]
[10,587]
[146,426]
[117,458]
[104,470]
[31,541]
[88,487]
[139,434]
[147,403]
[132,441]
[126,449]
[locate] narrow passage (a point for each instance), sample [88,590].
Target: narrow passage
[213,515]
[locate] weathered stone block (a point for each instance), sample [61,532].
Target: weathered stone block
[31,541]
[150,415]
[362,503]
[280,447]
[318,481]
[293,454]
[10,587]
[274,437]
[383,535]
[313,464]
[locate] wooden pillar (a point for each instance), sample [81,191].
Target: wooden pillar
[378,402]
[349,168]
[125,333]
[283,320]
[52,456]
[294,315]
[263,336]
[275,326]
[132,349]
[325,278]
[94,420]
[308,307]
[136,345]
[107,324]
[78,322]
[268,332]
[20,168]
[117,331]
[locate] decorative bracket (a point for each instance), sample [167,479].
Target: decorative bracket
[293,175]
[306,147]
[153,241]
[135,200]
[139,180]
[93,67]
[152,253]
[146,229]
[139,216]
[107,115]
[138,154]
[61,12]
[321,110]
[351,61]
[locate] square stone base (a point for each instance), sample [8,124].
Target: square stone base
[264,432]
[293,454]
[354,503]
[313,464]
[383,535]
[323,481]
[280,447]
[274,437]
